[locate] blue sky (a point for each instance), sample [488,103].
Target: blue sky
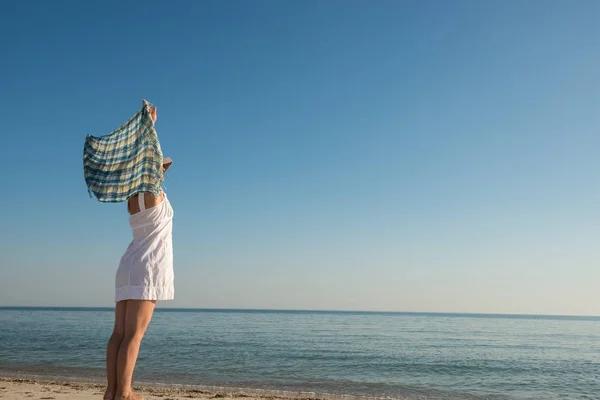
[383,155]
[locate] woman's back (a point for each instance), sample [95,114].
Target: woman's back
[150,201]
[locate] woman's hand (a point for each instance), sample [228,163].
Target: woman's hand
[153,114]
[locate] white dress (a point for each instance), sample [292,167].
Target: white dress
[146,269]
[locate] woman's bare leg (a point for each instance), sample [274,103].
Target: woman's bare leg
[112,350]
[137,318]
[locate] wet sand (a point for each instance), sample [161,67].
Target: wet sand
[26,389]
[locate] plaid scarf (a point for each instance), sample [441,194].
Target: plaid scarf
[124,162]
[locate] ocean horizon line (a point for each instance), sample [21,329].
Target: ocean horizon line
[318,311]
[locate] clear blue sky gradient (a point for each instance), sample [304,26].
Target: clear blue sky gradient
[365,155]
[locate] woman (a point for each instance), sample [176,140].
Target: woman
[144,276]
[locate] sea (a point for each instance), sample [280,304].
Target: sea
[320,354]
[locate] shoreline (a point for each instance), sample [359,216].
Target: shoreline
[21,388]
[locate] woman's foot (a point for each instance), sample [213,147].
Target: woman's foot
[130,396]
[109,395]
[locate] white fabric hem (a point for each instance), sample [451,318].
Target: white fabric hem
[144,293]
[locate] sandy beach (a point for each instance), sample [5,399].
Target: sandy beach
[25,389]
